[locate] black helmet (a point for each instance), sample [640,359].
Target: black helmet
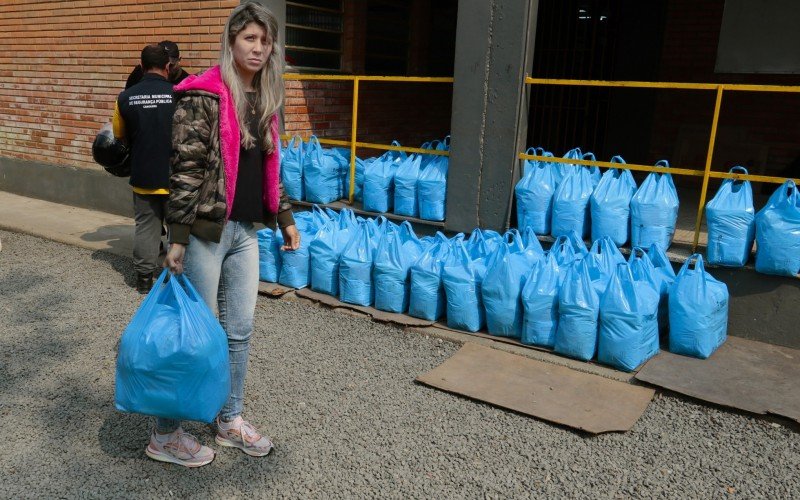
[111,153]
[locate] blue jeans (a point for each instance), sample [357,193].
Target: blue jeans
[226,276]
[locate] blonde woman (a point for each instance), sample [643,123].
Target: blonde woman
[226,176]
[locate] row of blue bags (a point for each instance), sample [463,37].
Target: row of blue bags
[413,186]
[559,198]
[409,185]
[580,302]
[733,226]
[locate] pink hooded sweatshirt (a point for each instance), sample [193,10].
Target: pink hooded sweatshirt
[211,81]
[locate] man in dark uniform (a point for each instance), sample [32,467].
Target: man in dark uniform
[143,119]
[176,73]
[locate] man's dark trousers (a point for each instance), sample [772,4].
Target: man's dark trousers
[149,211]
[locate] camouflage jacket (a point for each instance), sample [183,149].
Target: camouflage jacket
[198,200]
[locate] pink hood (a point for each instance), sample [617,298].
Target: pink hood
[211,81]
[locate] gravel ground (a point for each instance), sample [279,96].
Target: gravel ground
[336,393]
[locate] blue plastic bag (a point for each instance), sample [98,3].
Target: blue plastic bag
[505,276]
[778,233]
[564,251]
[320,173]
[603,258]
[654,210]
[405,187]
[529,165]
[391,272]
[326,249]
[571,204]
[540,303]
[173,356]
[342,158]
[379,181]
[664,277]
[594,170]
[355,267]
[361,166]
[292,168]
[535,196]
[610,204]
[698,311]
[731,221]
[564,169]
[296,264]
[463,277]
[578,310]
[628,321]
[269,255]
[427,299]
[432,189]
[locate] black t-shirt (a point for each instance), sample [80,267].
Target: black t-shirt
[247,201]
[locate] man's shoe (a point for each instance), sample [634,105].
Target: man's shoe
[240,433]
[144,282]
[180,448]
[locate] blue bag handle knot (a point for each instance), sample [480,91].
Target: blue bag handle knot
[617,159]
[698,266]
[588,156]
[662,163]
[638,252]
[738,168]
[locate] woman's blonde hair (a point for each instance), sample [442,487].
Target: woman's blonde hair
[268,82]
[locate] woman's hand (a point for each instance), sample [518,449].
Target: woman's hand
[291,238]
[174,259]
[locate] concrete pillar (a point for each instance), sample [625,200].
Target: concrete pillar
[494,52]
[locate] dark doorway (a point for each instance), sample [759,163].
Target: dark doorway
[595,40]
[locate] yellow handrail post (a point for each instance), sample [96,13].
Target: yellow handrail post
[709,157]
[352,187]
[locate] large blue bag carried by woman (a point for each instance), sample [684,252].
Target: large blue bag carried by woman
[571,203]
[578,309]
[778,233]
[320,173]
[535,195]
[654,210]
[463,277]
[269,255]
[540,303]
[427,299]
[698,311]
[355,267]
[296,264]
[628,321]
[731,220]
[379,181]
[610,205]
[173,356]
[405,186]
[326,249]
[391,272]
[292,168]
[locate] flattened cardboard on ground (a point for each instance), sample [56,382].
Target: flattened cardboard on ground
[272,289]
[553,393]
[377,315]
[744,374]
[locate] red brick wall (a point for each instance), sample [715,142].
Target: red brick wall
[758,129]
[62,64]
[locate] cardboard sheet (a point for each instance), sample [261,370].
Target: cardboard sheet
[377,315]
[553,393]
[743,374]
[272,289]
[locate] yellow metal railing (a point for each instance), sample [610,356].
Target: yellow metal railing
[353,143]
[706,173]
